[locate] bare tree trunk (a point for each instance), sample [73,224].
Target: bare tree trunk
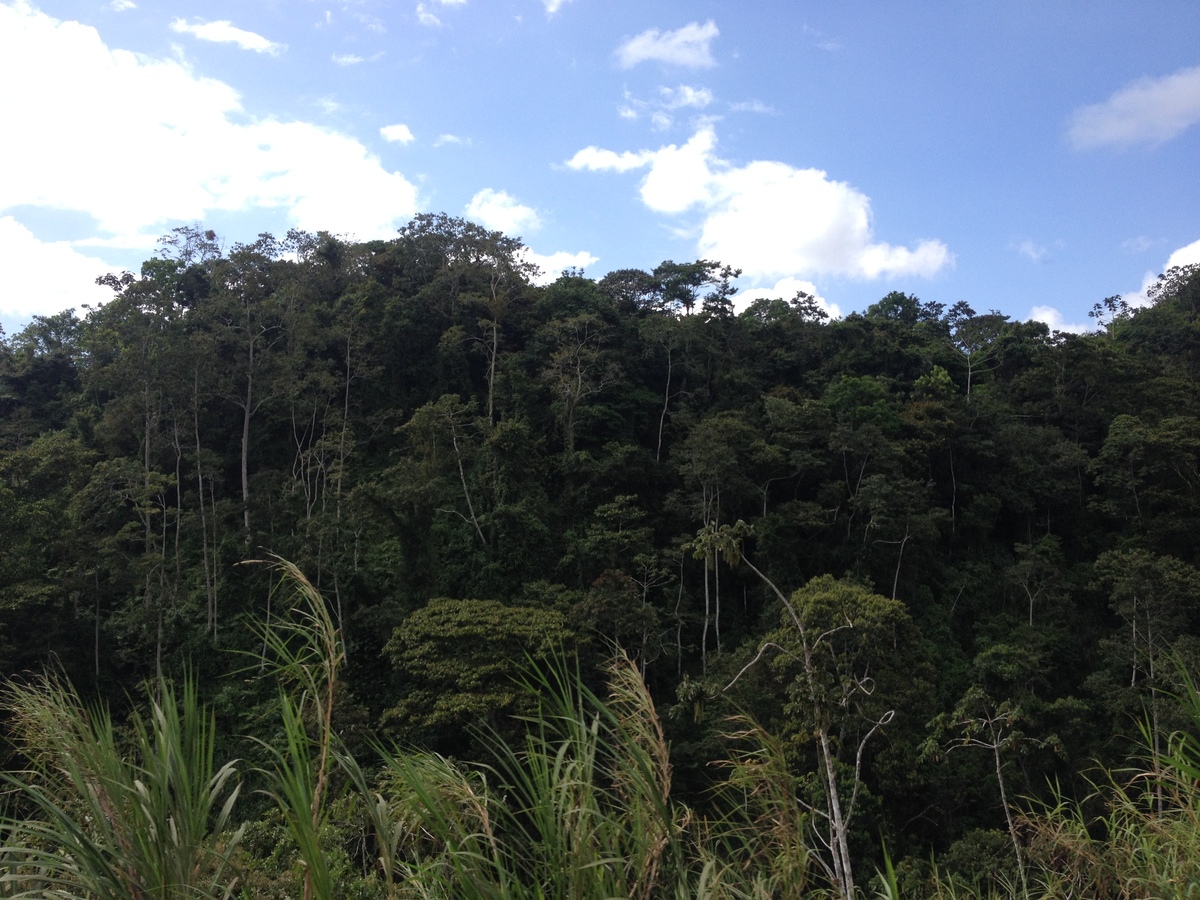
[247,412]
[662,418]
[1012,828]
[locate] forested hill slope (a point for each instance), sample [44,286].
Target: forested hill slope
[473,469]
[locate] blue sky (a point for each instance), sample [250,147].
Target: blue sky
[1025,156]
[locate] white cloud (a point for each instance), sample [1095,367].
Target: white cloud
[1149,111]
[553,6]
[397,134]
[754,106]
[1184,256]
[224,32]
[593,159]
[550,267]
[768,218]
[500,211]
[425,17]
[680,177]
[1054,319]
[822,41]
[687,46]
[667,100]
[443,139]
[184,147]
[1032,251]
[785,289]
[122,5]
[1187,255]
[685,95]
[1139,244]
[347,59]
[43,278]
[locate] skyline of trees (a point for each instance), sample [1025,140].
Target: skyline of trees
[441,445]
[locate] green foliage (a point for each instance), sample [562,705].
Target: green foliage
[414,418]
[100,814]
[458,662]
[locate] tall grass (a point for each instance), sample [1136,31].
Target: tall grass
[581,809]
[1145,839]
[94,816]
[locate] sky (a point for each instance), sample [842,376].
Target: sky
[1028,157]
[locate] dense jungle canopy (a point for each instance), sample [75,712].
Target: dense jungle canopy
[947,560]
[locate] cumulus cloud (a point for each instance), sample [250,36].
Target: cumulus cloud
[1188,255]
[183,146]
[397,134]
[43,278]
[224,32]
[122,5]
[785,289]
[500,211]
[553,6]
[551,266]
[770,219]
[1149,111]
[1184,256]
[1055,320]
[687,46]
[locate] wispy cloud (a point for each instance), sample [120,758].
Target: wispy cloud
[443,140]
[751,106]
[553,6]
[660,107]
[687,46]
[821,40]
[1032,250]
[348,59]
[224,32]
[1149,111]
[1139,244]
[426,18]
[122,5]
[685,95]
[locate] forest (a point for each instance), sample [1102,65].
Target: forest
[364,570]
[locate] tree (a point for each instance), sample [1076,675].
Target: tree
[578,367]
[458,661]
[835,638]
[975,338]
[1155,596]
[680,284]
